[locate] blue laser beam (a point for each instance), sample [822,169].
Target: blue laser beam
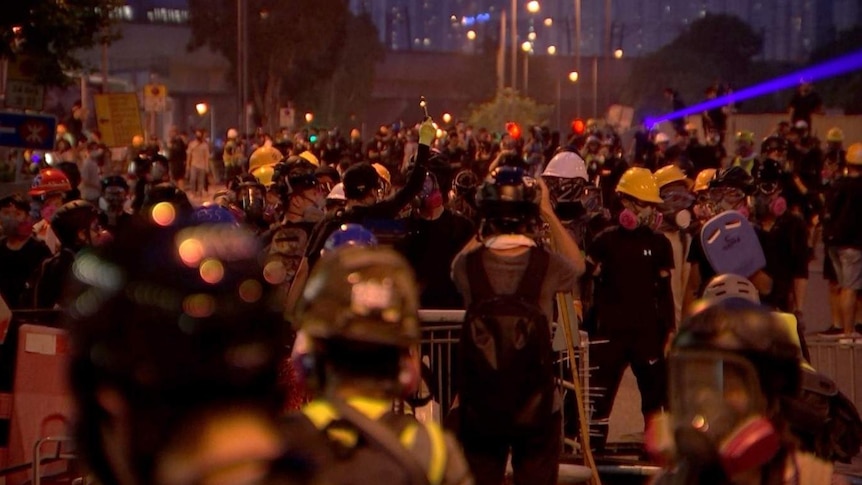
[832,68]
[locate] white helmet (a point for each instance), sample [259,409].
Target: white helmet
[568,165]
[232,133]
[662,138]
[337,192]
[728,285]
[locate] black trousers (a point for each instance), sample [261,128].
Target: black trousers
[609,361]
[535,456]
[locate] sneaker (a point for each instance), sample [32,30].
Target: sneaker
[831,332]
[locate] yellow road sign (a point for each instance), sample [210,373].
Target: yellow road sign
[119,118]
[155,97]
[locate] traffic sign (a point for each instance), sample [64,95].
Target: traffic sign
[27,130]
[155,97]
[23,94]
[119,118]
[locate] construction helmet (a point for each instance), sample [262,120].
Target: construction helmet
[668,175]
[854,154]
[310,157]
[509,197]
[383,173]
[772,144]
[835,135]
[701,182]
[265,155]
[728,285]
[264,175]
[745,136]
[49,180]
[349,235]
[566,164]
[361,294]
[639,183]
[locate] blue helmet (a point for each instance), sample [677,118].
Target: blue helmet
[213,214]
[349,235]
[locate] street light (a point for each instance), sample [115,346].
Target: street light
[533,6]
[471,35]
[618,54]
[309,117]
[549,22]
[204,108]
[447,118]
[573,78]
[552,50]
[531,36]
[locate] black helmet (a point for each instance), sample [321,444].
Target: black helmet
[71,218]
[300,174]
[176,319]
[512,159]
[736,177]
[115,181]
[243,178]
[773,143]
[743,327]
[465,183]
[508,201]
[361,294]
[360,180]
[140,166]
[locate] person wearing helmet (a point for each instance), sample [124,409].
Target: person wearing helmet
[436,235]
[231,154]
[507,263]
[177,384]
[77,226]
[302,199]
[358,319]
[745,154]
[577,202]
[462,196]
[21,254]
[335,200]
[634,306]
[677,220]
[48,192]
[729,189]
[113,203]
[732,366]
[842,234]
[784,240]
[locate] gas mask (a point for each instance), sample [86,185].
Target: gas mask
[574,199]
[768,201]
[676,208]
[430,198]
[718,414]
[639,214]
[250,198]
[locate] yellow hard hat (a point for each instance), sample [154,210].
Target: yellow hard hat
[834,134]
[265,155]
[264,174]
[668,175]
[701,183]
[745,136]
[639,183]
[383,173]
[310,158]
[854,154]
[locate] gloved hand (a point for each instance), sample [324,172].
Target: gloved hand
[427,132]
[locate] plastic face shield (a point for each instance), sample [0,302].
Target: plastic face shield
[712,392]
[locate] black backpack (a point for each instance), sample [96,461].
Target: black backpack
[507,378]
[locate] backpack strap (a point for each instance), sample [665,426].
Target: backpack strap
[382,437]
[477,277]
[530,287]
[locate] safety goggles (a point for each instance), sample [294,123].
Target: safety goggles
[768,188]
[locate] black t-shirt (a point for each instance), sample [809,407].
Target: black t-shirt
[804,106]
[629,293]
[17,267]
[785,246]
[844,205]
[430,248]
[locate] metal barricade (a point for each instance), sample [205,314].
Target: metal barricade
[840,361]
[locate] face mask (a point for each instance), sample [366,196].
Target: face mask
[644,217]
[47,212]
[432,201]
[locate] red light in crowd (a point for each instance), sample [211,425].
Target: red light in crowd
[578,126]
[513,130]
